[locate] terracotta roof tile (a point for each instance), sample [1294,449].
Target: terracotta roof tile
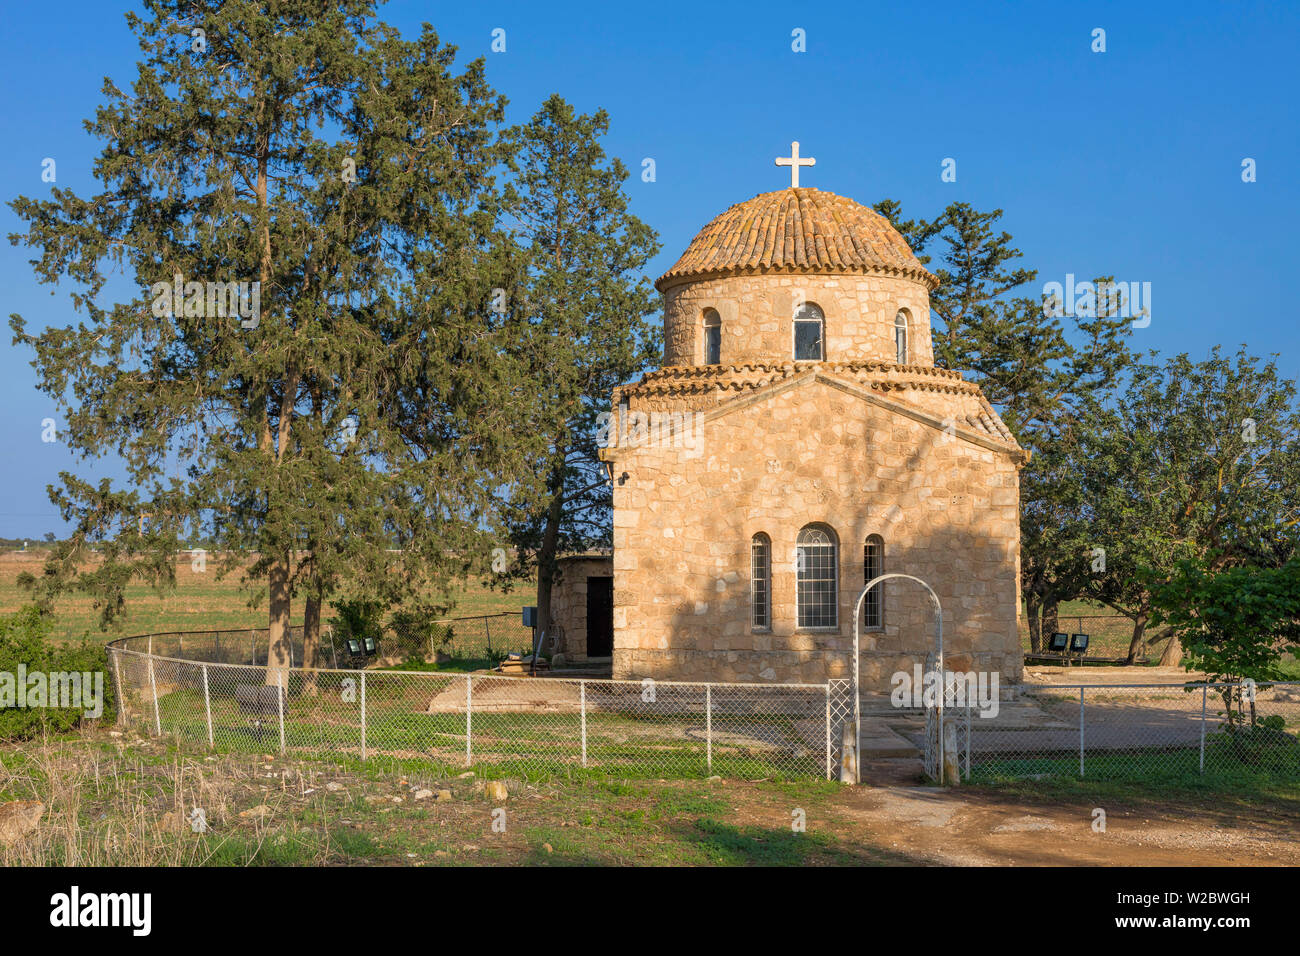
[797,230]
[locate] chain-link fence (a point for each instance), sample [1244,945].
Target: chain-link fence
[484,637]
[215,696]
[481,638]
[1141,732]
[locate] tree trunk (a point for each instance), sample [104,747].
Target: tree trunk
[1032,605]
[1227,695]
[1173,655]
[546,567]
[1051,620]
[310,643]
[1139,630]
[277,651]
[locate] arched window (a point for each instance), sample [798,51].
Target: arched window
[712,337]
[900,338]
[760,581]
[873,566]
[817,573]
[809,323]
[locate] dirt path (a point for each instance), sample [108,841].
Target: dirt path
[976,827]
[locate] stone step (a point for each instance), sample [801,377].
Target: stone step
[893,772]
[879,740]
[595,672]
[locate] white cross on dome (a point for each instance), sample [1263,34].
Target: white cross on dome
[794,162]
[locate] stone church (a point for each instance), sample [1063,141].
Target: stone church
[797,442]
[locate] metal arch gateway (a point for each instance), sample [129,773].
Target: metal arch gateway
[857,690]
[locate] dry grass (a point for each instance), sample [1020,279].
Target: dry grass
[120,800]
[200,602]
[129,803]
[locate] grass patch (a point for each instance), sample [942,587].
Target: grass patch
[124,801]
[457,665]
[1259,776]
[528,745]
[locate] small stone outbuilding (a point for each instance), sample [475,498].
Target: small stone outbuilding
[582,608]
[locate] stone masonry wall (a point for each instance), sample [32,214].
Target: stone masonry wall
[569,602]
[946,506]
[757,317]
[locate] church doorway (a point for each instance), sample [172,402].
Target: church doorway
[600,617]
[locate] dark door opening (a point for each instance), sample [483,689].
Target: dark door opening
[600,617]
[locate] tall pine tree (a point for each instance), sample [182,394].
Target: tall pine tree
[1042,377]
[587,306]
[345,175]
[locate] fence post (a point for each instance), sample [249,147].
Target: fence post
[708,727]
[207,705]
[153,683]
[252,647]
[968,737]
[488,631]
[282,688]
[1204,692]
[582,704]
[469,697]
[828,730]
[117,680]
[363,715]
[1080,731]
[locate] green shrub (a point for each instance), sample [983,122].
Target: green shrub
[417,634]
[443,635]
[357,619]
[1266,745]
[25,649]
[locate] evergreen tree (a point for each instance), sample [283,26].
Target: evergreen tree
[355,399]
[587,307]
[1042,377]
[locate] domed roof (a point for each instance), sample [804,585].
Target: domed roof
[793,231]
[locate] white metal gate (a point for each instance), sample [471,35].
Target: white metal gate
[938,717]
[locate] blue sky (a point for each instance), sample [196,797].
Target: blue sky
[1125,162]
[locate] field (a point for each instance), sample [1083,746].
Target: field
[200,602]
